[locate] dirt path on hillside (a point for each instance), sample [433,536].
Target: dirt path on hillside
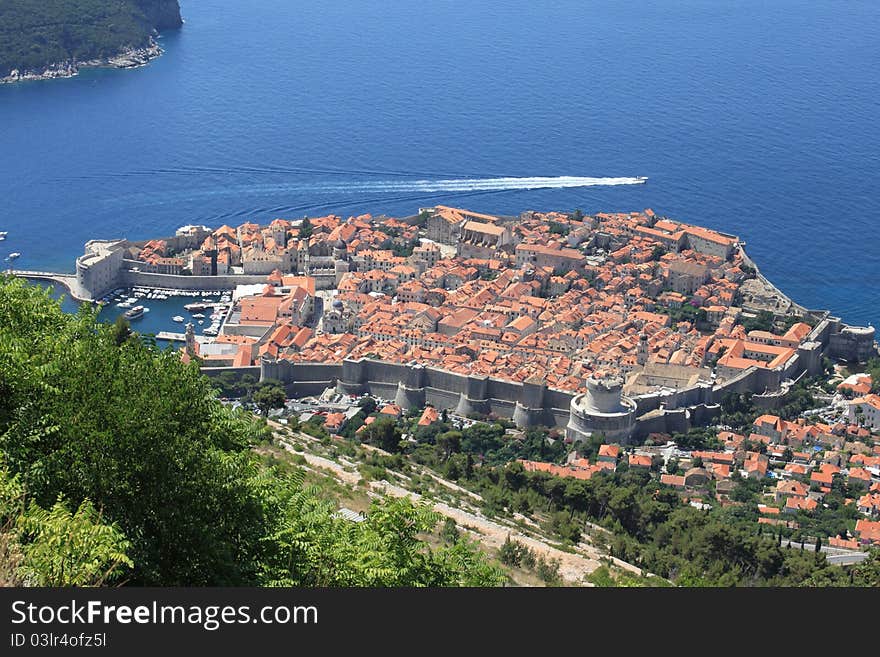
[573,567]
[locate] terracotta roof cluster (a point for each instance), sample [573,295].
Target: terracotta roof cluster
[565,303]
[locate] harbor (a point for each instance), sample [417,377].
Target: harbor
[161,308]
[178,307]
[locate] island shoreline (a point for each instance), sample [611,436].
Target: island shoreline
[124,59]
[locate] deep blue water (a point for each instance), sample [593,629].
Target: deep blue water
[756,118]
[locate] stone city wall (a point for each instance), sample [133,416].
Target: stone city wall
[129,278]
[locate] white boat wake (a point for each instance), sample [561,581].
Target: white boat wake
[479,184]
[354,188]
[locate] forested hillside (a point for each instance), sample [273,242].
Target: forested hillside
[118,464]
[35,34]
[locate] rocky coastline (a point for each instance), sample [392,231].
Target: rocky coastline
[127,58]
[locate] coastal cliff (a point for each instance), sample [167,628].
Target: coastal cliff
[42,39]
[161,14]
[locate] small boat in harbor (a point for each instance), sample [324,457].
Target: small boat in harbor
[135,313]
[13,256]
[177,318]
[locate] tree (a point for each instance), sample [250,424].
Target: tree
[509,552]
[383,433]
[367,405]
[305,229]
[162,479]
[450,443]
[450,532]
[268,396]
[135,431]
[468,467]
[121,331]
[247,383]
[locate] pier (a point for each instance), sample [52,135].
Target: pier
[67,280]
[181,337]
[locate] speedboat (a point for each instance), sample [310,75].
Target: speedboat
[177,318]
[13,256]
[642,179]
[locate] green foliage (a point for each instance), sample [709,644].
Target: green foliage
[698,439]
[798,400]
[367,405]
[133,431]
[305,229]
[688,313]
[490,443]
[61,548]
[403,248]
[654,529]
[422,219]
[269,395]
[563,526]
[763,321]
[315,428]
[121,331]
[383,433]
[231,384]
[355,422]
[55,547]
[37,33]
[511,553]
[449,532]
[867,573]
[873,368]
[738,410]
[548,570]
[318,549]
[603,576]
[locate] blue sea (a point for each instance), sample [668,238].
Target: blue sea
[756,118]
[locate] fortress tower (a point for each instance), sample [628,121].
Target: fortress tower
[602,409]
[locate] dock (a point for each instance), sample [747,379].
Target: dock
[181,337]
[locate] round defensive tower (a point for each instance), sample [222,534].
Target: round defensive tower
[602,409]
